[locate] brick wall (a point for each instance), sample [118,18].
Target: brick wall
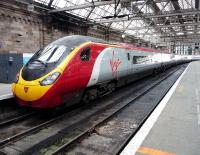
[19,31]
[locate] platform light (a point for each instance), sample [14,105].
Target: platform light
[123,36]
[179,33]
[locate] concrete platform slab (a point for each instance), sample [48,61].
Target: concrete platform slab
[177,129]
[5,91]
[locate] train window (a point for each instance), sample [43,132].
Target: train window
[50,54]
[139,59]
[128,55]
[85,54]
[134,60]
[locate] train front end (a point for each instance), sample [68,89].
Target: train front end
[39,83]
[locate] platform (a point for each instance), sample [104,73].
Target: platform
[5,91]
[174,126]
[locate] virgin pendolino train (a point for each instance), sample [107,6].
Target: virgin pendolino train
[77,68]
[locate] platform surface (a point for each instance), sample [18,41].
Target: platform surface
[5,91]
[177,129]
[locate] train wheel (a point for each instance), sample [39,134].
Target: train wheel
[86,98]
[90,95]
[155,71]
[111,87]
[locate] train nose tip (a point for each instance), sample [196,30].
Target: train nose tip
[26,89]
[29,93]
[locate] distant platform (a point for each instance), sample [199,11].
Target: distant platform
[5,91]
[174,126]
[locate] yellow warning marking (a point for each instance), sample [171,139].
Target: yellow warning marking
[150,151]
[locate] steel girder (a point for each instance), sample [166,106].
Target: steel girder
[99,3]
[165,14]
[177,7]
[157,10]
[146,20]
[165,26]
[86,5]
[50,3]
[196,7]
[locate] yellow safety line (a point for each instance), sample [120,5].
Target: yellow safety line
[151,151]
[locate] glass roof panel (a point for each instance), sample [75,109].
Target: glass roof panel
[145,9]
[81,12]
[108,10]
[59,3]
[186,4]
[165,6]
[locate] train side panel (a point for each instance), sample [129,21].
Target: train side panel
[120,64]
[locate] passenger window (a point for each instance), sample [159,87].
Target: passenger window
[139,59]
[134,60]
[128,55]
[85,54]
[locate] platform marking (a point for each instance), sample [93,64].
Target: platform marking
[6,96]
[198,114]
[197,94]
[5,86]
[151,151]
[138,139]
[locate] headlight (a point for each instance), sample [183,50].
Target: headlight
[50,79]
[16,78]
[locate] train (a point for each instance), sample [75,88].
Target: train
[81,68]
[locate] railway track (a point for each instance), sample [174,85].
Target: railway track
[11,113]
[24,125]
[16,119]
[8,109]
[84,120]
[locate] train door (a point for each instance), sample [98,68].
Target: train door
[85,66]
[71,73]
[129,66]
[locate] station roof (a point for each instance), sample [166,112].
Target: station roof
[151,20]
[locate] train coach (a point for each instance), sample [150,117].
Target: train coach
[75,68]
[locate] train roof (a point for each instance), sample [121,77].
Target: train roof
[76,40]
[133,47]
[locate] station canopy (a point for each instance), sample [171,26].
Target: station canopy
[151,20]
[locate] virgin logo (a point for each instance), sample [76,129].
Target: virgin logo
[25,89]
[114,63]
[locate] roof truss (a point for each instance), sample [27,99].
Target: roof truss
[161,17]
